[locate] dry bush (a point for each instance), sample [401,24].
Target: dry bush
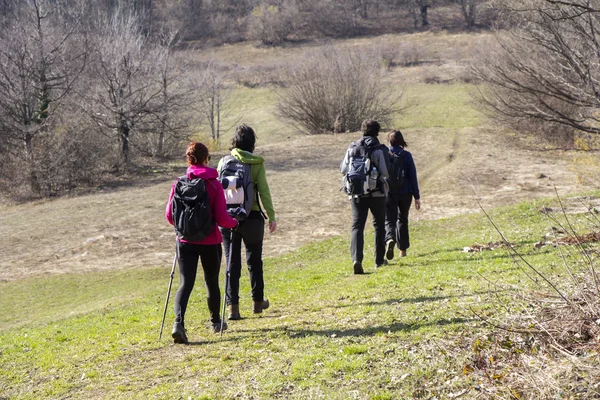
[334,90]
[547,345]
[272,24]
[225,28]
[411,54]
[333,18]
[68,155]
[260,76]
[545,68]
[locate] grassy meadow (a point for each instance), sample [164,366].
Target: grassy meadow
[402,331]
[83,278]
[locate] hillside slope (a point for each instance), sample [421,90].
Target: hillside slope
[456,158]
[406,330]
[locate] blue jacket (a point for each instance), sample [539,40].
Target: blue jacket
[411,184]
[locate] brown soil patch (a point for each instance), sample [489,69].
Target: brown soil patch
[126,228]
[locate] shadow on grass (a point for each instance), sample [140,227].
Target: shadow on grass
[395,327]
[416,300]
[353,332]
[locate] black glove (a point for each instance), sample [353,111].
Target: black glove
[238,213]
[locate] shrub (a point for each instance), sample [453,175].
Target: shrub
[334,90]
[546,345]
[272,24]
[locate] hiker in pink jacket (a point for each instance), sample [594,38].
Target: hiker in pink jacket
[208,250]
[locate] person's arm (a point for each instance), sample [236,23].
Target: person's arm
[264,192]
[412,176]
[169,210]
[382,163]
[220,207]
[344,164]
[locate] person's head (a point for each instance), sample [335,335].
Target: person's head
[197,154]
[244,138]
[396,139]
[370,127]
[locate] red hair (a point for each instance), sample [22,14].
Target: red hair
[196,153]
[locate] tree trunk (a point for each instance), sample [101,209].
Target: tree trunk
[34,184]
[163,123]
[472,14]
[124,133]
[424,20]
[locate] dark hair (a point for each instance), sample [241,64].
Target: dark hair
[370,127]
[244,138]
[396,139]
[196,153]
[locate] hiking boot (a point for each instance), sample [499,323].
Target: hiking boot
[234,312]
[178,333]
[216,327]
[358,269]
[402,253]
[260,305]
[385,262]
[389,253]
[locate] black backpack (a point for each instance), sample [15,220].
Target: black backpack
[398,172]
[192,218]
[242,193]
[362,177]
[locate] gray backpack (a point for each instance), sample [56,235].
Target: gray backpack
[237,183]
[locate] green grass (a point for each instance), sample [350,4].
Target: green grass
[438,106]
[329,334]
[424,106]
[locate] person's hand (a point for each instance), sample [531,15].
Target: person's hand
[272,226]
[418,204]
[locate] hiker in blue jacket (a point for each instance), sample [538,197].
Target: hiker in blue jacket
[403,187]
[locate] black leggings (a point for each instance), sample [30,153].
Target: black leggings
[396,219]
[210,257]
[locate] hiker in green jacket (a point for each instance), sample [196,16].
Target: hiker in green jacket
[244,179]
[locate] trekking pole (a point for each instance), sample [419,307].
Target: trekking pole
[227,269]
[169,291]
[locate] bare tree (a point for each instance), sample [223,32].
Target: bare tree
[547,68]
[211,100]
[334,90]
[125,93]
[469,11]
[173,114]
[38,66]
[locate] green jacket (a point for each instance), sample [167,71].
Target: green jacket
[259,178]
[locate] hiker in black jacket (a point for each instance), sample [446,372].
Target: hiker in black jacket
[373,197]
[403,187]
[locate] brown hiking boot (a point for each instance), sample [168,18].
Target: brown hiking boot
[234,312]
[260,305]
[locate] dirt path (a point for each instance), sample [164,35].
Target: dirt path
[126,228]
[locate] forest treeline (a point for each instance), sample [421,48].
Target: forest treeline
[93,88]
[273,21]
[90,90]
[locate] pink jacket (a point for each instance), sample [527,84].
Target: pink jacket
[217,203]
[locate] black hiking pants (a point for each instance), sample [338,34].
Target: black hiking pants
[210,258]
[396,219]
[251,231]
[360,212]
